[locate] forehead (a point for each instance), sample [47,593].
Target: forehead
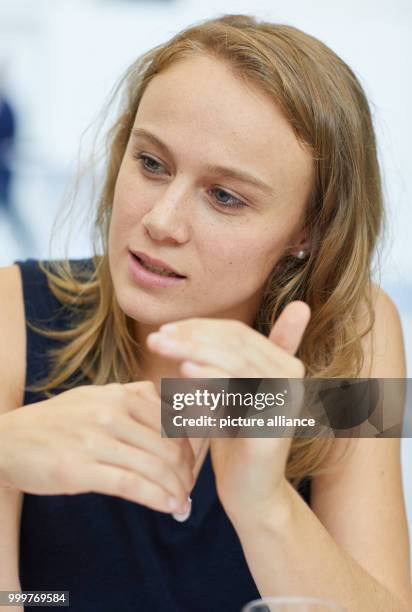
[199,104]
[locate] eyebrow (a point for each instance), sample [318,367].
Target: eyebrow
[231,173]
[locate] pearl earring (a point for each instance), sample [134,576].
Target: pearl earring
[301,254]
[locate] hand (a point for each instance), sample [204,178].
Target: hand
[249,472]
[97,438]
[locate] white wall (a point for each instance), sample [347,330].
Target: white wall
[65,55]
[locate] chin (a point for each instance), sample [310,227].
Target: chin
[138,309]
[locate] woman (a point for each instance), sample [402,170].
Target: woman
[243,168]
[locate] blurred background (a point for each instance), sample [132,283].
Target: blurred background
[59,60]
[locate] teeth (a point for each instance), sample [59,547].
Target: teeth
[159,271]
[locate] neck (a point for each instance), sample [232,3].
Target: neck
[153,366]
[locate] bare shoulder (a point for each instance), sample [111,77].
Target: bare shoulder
[13,373]
[13,339]
[362,493]
[383,346]
[384,357]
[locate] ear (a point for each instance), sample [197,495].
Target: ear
[299,243]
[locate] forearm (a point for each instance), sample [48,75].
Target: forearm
[3,452]
[6,450]
[10,582]
[291,553]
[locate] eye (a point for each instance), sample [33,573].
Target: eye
[151,165]
[228,201]
[148,163]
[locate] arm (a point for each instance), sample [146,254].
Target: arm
[351,546]
[12,368]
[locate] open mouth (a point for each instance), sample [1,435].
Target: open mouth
[155,270]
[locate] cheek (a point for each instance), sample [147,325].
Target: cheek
[245,259]
[128,206]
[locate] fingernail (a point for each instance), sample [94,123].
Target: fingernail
[153,337]
[168,327]
[173,504]
[185,506]
[190,367]
[184,509]
[162,342]
[185,513]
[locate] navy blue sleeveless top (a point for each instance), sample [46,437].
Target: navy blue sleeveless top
[112,554]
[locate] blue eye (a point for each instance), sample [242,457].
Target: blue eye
[151,165]
[235,202]
[144,159]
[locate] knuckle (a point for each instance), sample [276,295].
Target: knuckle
[176,455]
[117,394]
[61,470]
[115,388]
[156,467]
[143,390]
[146,388]
[127,484]
[89,444]
[104,416]
[143,385]
[242,367]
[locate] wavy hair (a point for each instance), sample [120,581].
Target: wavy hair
[325,104]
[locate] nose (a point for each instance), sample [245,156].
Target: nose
[167,218]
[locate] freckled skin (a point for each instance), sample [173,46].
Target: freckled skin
[206,115]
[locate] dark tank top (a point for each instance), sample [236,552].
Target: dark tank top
[114,555]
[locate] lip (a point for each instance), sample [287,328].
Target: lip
[155,262]
[148,279]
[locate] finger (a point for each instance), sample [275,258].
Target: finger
[260,359]
[145,403]
[208,332]
[290,326]
[142,388]
[151,416]
[229,336]
[145,410]
[171,450]
[176,477]
[189,369]
[111,480]
[214,355]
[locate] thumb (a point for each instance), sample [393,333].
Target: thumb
[289,328]
[133,386]
[145,388]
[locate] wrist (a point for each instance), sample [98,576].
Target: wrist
[3,452]
[276,514]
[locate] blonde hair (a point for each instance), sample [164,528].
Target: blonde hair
[326,106]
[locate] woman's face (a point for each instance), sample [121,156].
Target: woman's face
[177,203]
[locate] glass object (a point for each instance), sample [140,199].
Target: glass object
[292,604]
